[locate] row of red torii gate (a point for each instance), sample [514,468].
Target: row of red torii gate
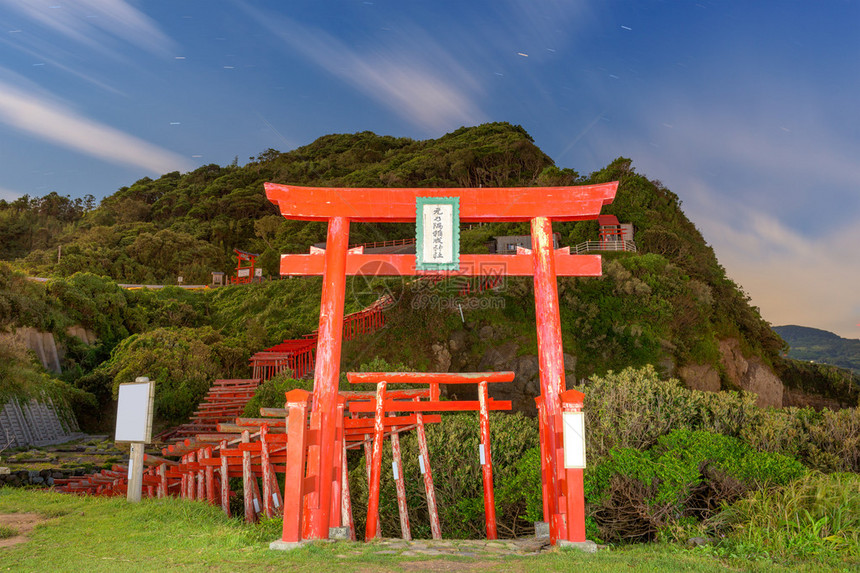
[314,459]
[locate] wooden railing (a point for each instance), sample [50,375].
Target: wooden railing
[592,246]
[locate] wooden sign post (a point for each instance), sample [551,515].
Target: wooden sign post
[134,425]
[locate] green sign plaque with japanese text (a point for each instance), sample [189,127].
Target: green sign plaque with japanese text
[437,241]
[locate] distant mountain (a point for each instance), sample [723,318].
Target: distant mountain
[813,344]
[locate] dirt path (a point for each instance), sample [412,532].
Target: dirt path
[23,523]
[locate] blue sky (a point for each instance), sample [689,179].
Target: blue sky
[747,110]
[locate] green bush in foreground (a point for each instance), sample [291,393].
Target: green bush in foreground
[817,516]
[635,495]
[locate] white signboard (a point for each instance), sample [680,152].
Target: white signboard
[574,439]
[243,272]
[438,240]
[437,233]
[134,412]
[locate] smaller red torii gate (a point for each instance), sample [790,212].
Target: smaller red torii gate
[245,273]
[540,206]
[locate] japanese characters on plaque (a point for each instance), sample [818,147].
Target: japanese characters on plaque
[438,233]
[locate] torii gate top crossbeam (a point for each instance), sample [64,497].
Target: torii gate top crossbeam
[390,205]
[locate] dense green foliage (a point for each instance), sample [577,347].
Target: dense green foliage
[814,345]
[634,494]
[815,517]
[455,463]
[673,302]
[183,362]
[840,385]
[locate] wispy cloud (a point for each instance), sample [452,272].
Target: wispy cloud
[773,191]
[54,122]
[792,277]
[97,24]
[411,74]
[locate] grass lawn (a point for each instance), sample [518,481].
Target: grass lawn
[165,535]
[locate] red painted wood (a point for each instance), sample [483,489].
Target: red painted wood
[335,513]
[372,527]
[201,477]
[543,458]
[470,265]
[191,482]
[572,401]
[452,406]
[297,424]
[162,485]
[487,466]
[476,205]
[209,473]
[365,423]
[346,498]
[368,463]
[428,377]
[550,356]
[268,508]
[327,370]
[400,486]
[247,478]
[429,489]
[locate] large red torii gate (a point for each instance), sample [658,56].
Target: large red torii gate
[540,206]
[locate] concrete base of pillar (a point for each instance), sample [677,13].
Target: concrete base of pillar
[541,529]
[339,533]
[286,545]
[586,546]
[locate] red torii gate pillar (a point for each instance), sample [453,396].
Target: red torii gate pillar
[327,371]
[538,205]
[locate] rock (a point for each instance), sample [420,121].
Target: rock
[733,360]
[700,377]
[762,381]
[441,356]
[37,480]
[751,374]
[499,357]
[457,342]
[699,541]
[49,481]
[486,332]
[792,398]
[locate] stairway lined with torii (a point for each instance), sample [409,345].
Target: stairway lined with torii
[224,401]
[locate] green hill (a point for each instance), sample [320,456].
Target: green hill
[670,304]
[815,345]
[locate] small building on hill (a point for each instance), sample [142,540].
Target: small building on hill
[507,244]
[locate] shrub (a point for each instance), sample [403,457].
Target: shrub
[827,440]
[634,494]
[838,437]
[633,409]
[453,447]
[816,515]
[270,394]
[183,362]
